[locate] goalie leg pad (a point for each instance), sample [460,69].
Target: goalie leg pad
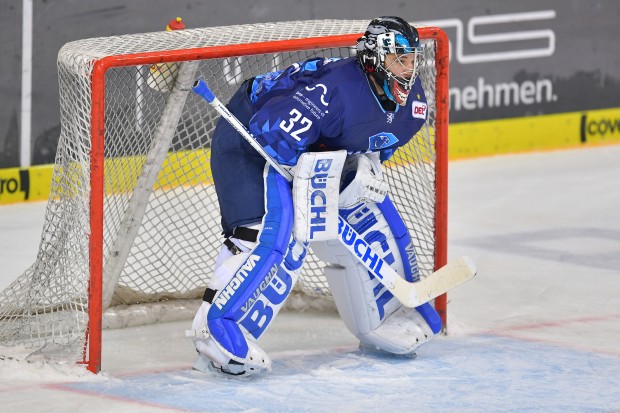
[243,309]
[369,310]
[410,263]
[401,332]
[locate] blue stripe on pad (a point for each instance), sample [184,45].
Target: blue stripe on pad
[232,303]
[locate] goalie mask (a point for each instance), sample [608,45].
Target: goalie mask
[390,52]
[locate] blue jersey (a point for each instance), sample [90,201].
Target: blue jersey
[317,105]
[328,104]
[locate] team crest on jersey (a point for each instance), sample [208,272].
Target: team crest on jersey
[419,109]
[381,140]
[323,93]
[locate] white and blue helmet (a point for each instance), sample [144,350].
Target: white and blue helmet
[389,35]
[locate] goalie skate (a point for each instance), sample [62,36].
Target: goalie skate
[232,369]
[213,357]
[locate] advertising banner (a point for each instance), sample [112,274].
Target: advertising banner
[527,75]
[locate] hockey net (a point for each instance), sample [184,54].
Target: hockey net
[132,216]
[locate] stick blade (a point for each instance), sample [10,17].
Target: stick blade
[441,281]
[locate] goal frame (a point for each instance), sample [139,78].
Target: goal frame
[92,357]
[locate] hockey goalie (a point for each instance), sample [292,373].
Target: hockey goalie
[330,123]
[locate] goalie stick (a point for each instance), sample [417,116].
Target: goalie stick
[410,294]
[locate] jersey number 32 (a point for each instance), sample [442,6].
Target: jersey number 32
[299,123]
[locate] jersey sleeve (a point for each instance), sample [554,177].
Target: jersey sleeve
[287,124]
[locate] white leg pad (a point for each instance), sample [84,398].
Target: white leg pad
[401,330]
[226,265]
[401,333]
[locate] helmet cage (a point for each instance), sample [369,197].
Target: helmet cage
[391,43]
[400,72]
[393,36]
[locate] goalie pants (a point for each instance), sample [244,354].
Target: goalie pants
[237,168]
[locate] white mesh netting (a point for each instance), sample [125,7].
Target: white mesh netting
[172,253]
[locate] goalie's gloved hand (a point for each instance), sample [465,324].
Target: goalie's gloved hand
[362,178]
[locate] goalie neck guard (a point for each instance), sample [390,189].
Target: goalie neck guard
[390,52]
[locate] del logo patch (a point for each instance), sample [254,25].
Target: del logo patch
[418,109]
[381,140]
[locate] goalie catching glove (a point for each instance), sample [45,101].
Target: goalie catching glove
[362,180]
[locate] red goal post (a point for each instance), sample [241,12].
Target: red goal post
[111,81]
